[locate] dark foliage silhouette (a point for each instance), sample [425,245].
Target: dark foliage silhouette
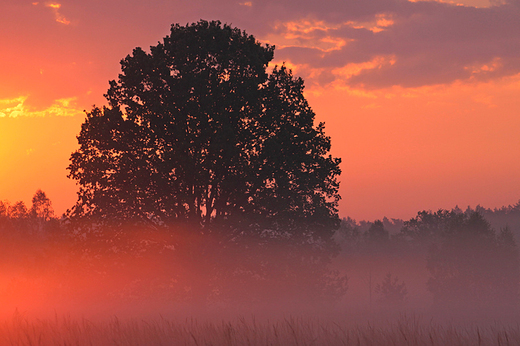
[38,221]
[391,291]
[377,235]
[198,137]
[506,216]
[197,132]
[469,263]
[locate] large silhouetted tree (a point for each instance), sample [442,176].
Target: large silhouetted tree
[199,137]
[198,132]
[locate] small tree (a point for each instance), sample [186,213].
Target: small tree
[41,206]
[390,291]
[42,214]
[17,210]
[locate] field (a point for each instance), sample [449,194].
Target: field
[405,330]
[55,292]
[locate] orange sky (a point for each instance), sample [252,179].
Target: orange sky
[421,99]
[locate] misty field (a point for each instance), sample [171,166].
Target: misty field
[175,286]
[20,330]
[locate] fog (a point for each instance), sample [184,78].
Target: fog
[446,269]
[59,278]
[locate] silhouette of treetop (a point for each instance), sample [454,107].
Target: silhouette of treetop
[197,131]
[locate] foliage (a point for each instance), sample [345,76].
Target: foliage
[16,220]
[506,216]
[390,291]
[468,262]
[377,233]
[198,133]
[198,137]
[41,206]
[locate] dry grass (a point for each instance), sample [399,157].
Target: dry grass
[20,330]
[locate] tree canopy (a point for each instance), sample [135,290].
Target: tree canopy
[197,131]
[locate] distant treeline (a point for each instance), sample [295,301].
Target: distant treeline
[498,218]
[470,257]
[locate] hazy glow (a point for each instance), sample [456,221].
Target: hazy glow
[34,155]
[165,276]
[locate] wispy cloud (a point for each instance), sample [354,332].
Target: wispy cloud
[423,42]
[12,108]
[55,7]
[16,107]
[306,33]
[372,44]
[378,23]
[353,69]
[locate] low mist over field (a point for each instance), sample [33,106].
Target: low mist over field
[146,287]
[448,266]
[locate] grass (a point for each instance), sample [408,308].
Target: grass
[20,330]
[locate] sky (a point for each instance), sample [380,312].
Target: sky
[421,99]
